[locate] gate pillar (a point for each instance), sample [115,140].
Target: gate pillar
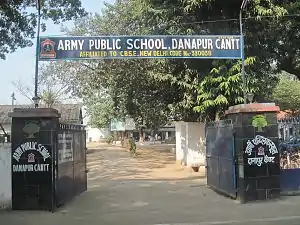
[257,155]
[33,154]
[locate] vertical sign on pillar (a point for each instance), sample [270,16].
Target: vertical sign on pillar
[31,156]
[65,148]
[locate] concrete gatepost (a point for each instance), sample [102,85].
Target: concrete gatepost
[33,157]
[190,144]
[257,155]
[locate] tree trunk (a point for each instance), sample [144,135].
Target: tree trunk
[141,135]
[217,116]
[115,137]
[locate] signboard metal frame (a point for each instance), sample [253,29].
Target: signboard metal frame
[51,42]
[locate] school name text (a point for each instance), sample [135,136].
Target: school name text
[117,44]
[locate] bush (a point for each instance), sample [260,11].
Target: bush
[109,139]
[130,145]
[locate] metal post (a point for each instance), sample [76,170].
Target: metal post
[243,53]
[12,101]
[36,55]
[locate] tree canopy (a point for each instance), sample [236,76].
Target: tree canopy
[19,20]
[154,90]
[188,89]
[287,94]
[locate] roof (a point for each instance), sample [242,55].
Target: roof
[281,115]
[286,114]
[70,113]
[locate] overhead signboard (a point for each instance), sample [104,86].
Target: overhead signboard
[114,47]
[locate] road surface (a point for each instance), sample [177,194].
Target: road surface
[150,190]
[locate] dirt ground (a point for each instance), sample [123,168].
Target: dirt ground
[151,189]
[151,162]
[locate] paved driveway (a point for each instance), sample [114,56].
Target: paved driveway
[150,189]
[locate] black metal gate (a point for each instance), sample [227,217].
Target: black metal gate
[289,148]
[71,171]
[220,157]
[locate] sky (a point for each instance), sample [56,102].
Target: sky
[20,65]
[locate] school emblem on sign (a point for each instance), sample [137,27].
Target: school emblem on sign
[47,49]
[31,158]
[31,163]
[261,151]
[31,129]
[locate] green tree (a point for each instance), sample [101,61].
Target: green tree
[222,88]
[287,94]
[271,27]
[100,109]
[218,90]
[130,84]
[18,20]
[208,86]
